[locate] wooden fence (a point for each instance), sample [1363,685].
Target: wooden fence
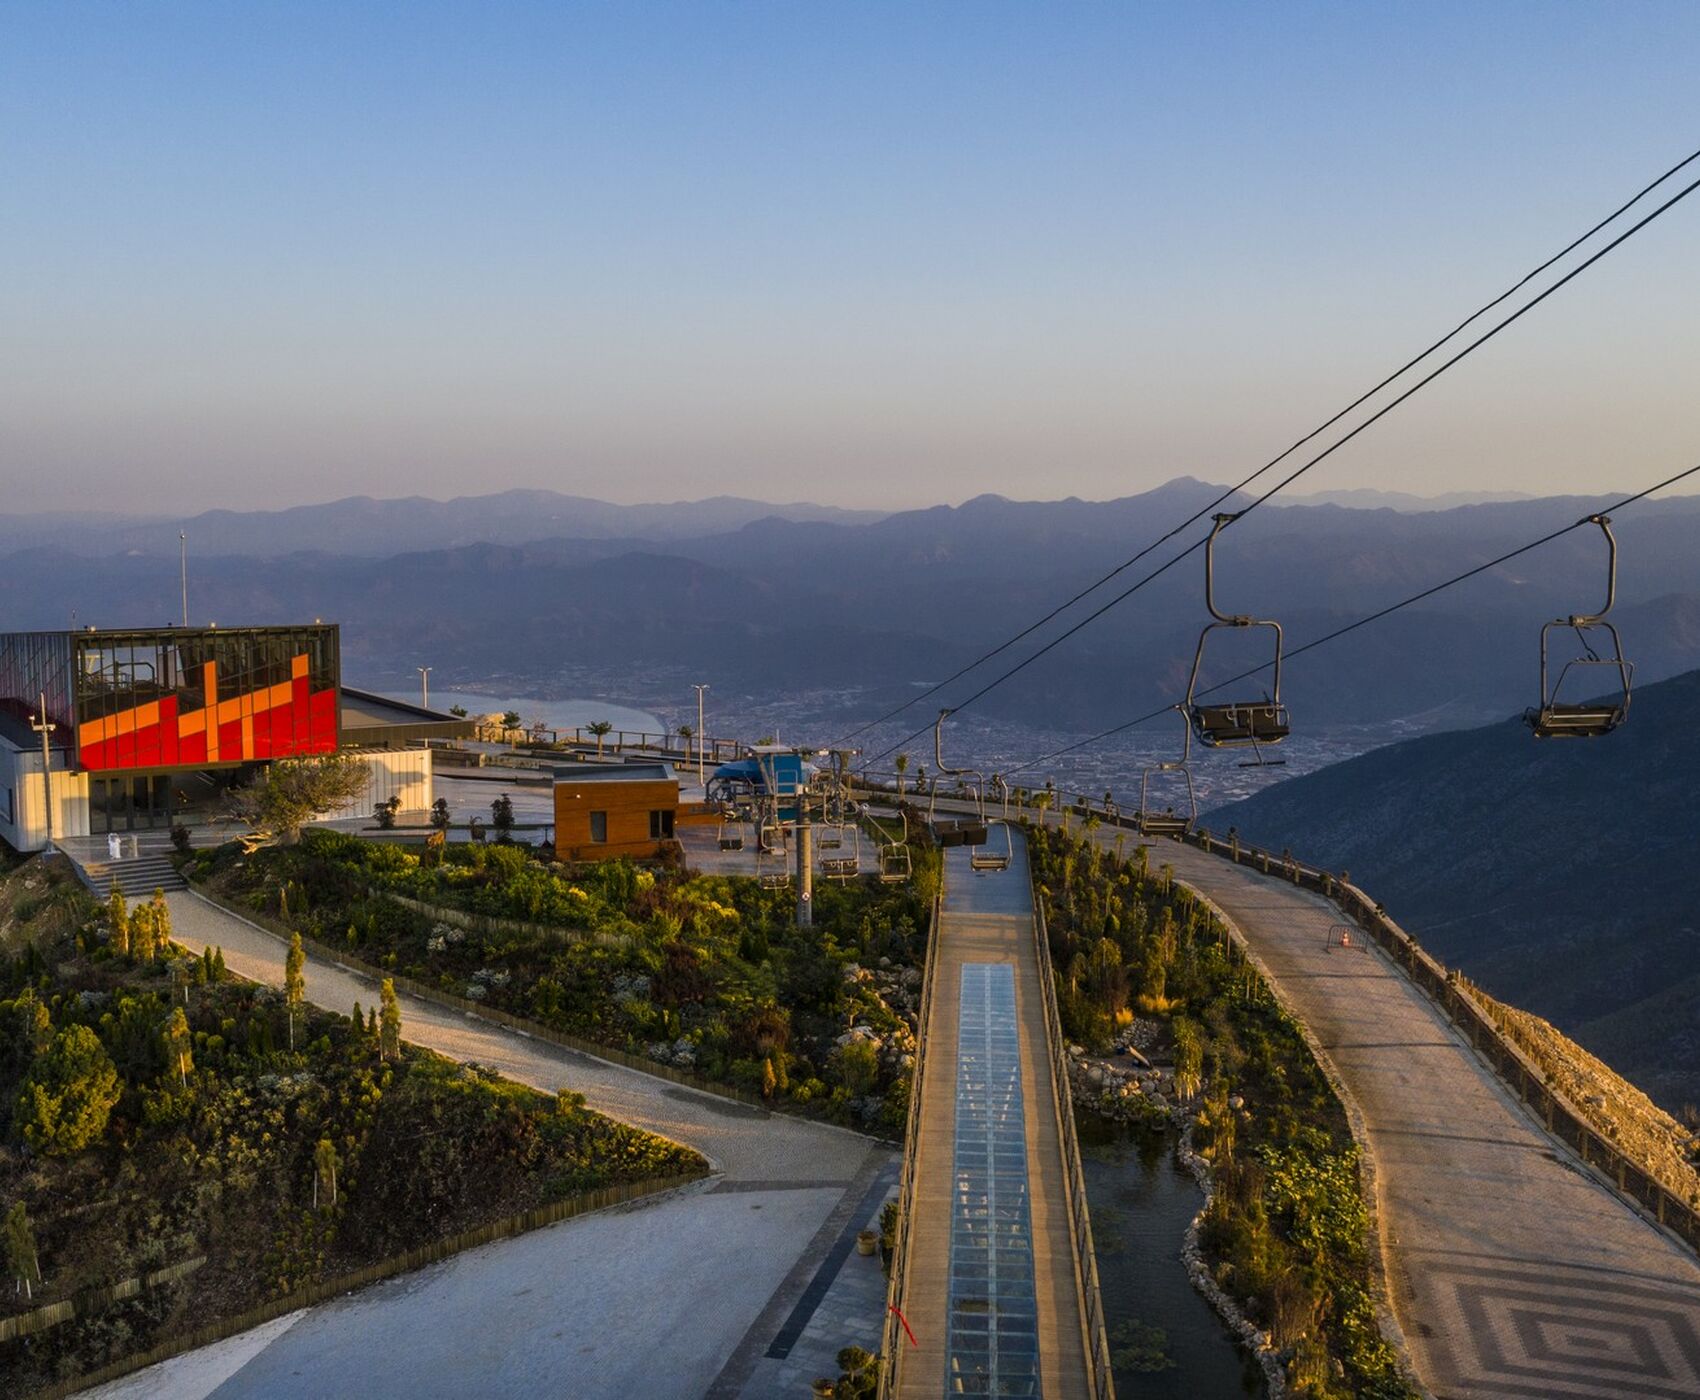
[92,1300]
[180,1342]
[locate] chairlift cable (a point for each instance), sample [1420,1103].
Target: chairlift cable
[1328,451]
[1280,457]
[1368,618]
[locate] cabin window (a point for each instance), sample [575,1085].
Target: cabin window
[599,826]
[661,825]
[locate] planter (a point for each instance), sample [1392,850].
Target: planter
[822,1389]
[867,1241]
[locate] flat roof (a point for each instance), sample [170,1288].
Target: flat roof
[368,717]
[617,773]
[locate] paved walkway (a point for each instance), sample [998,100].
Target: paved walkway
[988,920]
[660,1300]
[1513,1272]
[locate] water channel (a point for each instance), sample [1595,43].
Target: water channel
[1167,1343]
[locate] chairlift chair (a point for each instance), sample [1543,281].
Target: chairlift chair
[773,865]
[849,840]
[1169,822]
[967,830]
[1233,723]
[896,866]
[1587,719]
[731,830]
[988,858]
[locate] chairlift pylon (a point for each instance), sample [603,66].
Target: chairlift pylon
[1169,822]
[1234,723]
[1586,719]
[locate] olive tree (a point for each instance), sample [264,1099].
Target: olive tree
[292,791]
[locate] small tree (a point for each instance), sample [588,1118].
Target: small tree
[161,920]
[601,729]
[325,1163]
[502,816]
[292,791]
[142,933]
[118,915]
[177,1042]
[769,1080]
[219,974]
[20,1250]
[901,763]
[458,711]
[389,1022]
[68,1094]
[440,814]
[510,724]
[294,982]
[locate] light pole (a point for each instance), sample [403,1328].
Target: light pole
[702,743]
[424,686]
[44,727]
[183,573]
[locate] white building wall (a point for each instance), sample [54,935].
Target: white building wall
[403,773]
[23,805]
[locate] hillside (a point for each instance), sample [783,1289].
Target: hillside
[1558,876]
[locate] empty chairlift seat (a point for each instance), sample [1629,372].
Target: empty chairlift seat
[1590,718]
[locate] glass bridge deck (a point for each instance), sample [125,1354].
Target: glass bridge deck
[992,1345]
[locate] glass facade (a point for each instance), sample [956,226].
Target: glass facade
[34,664]
[180,698]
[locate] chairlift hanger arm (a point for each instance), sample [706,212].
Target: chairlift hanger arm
[1590,619]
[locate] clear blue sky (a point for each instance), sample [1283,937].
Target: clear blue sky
[871,254]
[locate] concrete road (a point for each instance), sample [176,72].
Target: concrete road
[1512,1271]
[663,1300]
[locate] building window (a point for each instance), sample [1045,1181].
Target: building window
[599,827]
[661,825]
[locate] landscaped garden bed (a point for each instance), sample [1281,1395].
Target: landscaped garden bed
[701,973]
[157,1126]
[1285,1236]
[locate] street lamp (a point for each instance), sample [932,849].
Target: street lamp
[702,743]
[424,686]
[44,727]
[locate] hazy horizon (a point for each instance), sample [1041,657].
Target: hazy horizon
[874,258]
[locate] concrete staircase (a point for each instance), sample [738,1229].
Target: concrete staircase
[136,875]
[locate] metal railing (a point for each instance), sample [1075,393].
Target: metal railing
[1103,1386]
[892,1334]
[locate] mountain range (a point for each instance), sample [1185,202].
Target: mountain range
[763,599]
[1560,874]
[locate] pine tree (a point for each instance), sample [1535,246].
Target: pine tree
[177,1042]
[325,1164]
[389,1028]
[359,1023]
[218,964]
[118,915]
[19,1239]
[142,931]
[294,982]
[208,972]
[161,919]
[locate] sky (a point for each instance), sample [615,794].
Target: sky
[873,255]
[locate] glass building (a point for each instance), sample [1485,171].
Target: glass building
[150,714]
